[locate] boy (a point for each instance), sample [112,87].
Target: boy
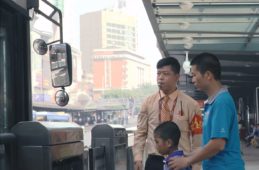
[167,136]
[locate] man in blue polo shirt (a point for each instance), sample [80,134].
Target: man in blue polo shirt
[221,145]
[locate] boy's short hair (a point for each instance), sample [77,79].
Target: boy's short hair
[169,61]
[168,130]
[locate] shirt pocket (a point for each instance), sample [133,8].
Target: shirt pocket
[182,121]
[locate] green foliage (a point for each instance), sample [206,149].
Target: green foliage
[139,93]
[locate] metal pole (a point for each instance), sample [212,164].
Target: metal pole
[256,104]
[248,117]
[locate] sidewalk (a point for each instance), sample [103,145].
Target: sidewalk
[251,157]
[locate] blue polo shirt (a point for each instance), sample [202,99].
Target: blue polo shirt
[220,121]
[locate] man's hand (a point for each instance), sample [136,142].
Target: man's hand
[178,163]
[138,165]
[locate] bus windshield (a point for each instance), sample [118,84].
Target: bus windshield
[113,64]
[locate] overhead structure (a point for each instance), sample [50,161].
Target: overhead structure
[227,28]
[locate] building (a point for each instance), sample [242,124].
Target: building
[106,29]
[119,69]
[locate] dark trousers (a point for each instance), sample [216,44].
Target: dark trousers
[154,162]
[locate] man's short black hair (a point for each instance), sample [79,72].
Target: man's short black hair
[168,130]
[169,61]
[207,62]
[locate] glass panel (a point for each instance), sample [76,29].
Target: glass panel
[109,73]
[112,69]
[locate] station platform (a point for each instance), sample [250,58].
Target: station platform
[251,157]
[250,154]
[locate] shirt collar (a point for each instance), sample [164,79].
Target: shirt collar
[175,153]
[172,95]
[211,99]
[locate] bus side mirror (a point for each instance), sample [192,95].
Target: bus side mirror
[60,65]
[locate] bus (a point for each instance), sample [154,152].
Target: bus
[51,117]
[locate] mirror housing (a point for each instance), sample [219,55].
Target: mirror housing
[60,65]
[40,46]
[61,98]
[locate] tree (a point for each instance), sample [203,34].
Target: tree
[137,93]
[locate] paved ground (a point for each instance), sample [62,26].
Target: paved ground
[251,157]
[250,154]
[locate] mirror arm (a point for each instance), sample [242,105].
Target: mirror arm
[50,18]
[53,42]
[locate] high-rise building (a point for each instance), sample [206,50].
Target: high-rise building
[106,29]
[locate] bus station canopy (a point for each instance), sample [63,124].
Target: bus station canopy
[227,28]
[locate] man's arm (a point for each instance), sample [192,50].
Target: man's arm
[196,132]
[140,135]
[212,148]
[196,129]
